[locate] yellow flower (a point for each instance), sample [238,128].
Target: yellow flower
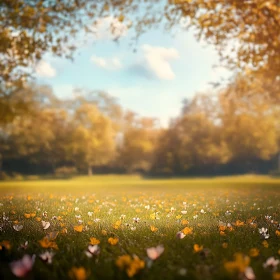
[113,240]
[94,241]
[197,248]
[254,252]
[78,273]
[27,215]
[117,224]
[78,228]
[239,264]
[184,222]
[178,217]
[154,229]
[103,232]
[187,230]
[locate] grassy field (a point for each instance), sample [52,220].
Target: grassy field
[121,227]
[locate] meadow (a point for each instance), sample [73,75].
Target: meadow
[128,227]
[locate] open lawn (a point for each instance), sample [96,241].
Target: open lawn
[101,228]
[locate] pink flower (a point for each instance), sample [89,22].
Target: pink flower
[154,252]
[22,267]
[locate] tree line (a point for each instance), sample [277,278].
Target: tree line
[234,129]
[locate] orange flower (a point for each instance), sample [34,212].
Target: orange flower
[276,276]
[197,248]
[225,245]
[184,222]
[277,232]
[187,230]
[131,265]
[27,215]
[113,240]
[78,228]
[47,243]
[254,252]
[5,244]
[94,241]
[265,244]
[78,273]
[238,223]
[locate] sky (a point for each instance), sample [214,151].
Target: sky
[152,77]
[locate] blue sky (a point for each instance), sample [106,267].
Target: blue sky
[151,81]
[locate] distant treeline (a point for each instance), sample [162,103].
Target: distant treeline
[233,130]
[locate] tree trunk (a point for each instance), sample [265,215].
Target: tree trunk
[89,170]
[279,162]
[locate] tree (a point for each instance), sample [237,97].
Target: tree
[93,141]
[138,143]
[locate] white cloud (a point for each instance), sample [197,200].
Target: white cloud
[109,28]
[106,63]
[158,60]
[45,70]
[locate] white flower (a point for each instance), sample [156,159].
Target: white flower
[264,232]
[21,267]
[47,257]
[122,217]
[93,250]
[90,214]
[227,213]
[24,246]
[180,235]
[195,217]
[18,227]
[136,220]
[78,216]
[271,263]
[97,220]
[45,225]
[154,252]
[133,228]
[202,211]
[147,207]
[184,212]
[76,209]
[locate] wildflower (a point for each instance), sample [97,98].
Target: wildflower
[154,229]
[90,214]
[136,220]
[276,276]
[78,228]
[184,212]
[180,235]
[184,222]
[48,243]
[265,244]
[47,257]
[94,241]
[249,273]
[113,240]
[187,230]
[45,225]
[131,265]
[18,227]
[195,217]
[271,263]
[264,232]
[92,250]
[5,244]
[78,273]
[197,248]
[23,246]
[202,211]
[239,264]
[23,266]
[154,252]
[117,224]
[254,252]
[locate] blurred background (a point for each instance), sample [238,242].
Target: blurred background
[160,88]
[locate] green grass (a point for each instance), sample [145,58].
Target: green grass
[246,197]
